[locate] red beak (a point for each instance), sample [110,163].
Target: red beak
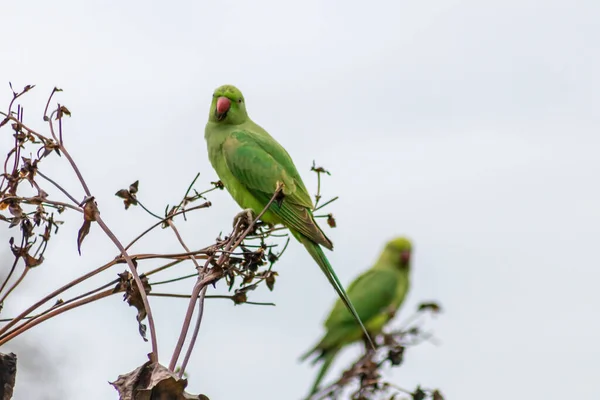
[223,104]
[405,256]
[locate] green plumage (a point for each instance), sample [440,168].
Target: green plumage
[377,294]
[250,163]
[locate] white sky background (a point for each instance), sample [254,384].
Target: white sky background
[470,126]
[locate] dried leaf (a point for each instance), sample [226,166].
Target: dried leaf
[47,232]
[418,394]
[431,306]
[128,198]
[254,259]
[133,188]
[331,221]
[31,262]
[272,257]
[396,355]
[319,170]
[15,221]
[239,297]
[415,331]
[153,381]
[62,110]
[39,214]
[15,209]
[28,169]
[123,193]
[17,127]
[436,395]
[248,278]
[49,146]
[133,297]
[230,277]
[270,279]
[89,215]
[83,232]
[128,195]
[27,228]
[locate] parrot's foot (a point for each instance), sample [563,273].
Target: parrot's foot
[244,218]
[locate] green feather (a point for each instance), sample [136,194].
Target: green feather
[327,359]
[317,254]
[251,164]
[376,294]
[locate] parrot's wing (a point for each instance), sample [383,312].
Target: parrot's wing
[371,293]
[259,165]
[274,162]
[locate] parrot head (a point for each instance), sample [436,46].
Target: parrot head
[398,251]
[228,106]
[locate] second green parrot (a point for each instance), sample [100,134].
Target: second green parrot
[251,165]
[377,295]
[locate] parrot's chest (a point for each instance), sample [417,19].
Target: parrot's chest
[239,193]
[236,189]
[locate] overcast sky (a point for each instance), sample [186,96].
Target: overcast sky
[470,126]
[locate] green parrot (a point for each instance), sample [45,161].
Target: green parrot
[251,165]
[377,294]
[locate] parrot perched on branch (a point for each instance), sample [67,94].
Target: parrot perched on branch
[377,295]
[251,165]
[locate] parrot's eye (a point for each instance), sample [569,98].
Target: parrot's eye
[240,100]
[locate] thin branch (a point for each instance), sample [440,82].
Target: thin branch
[208,296]
[200,285]
[21,316]
[201,295]
[147,210]
[199,254]
[12,270]
[138,281]
[58,187]
[203,205]
[39,200]
[326,203]
[188,316]
[201,273]
[14,285]
[70,159]
[163,267]
[83,278]
[181,278]
[55,293]
[48,102]
[54,313]
[188,353]
[171,295]
[31,318]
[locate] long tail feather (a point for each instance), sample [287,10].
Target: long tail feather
[317,254]
[308,354]
[327,358]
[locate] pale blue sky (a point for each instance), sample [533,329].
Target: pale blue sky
[470,126]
